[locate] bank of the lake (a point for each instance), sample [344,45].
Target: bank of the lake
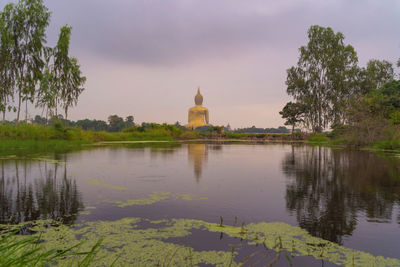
[25,137]
[388,145]
[57,135]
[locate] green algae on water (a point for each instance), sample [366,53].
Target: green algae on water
[91,181]
[87,210]
[189,197]
[133,246]
[143,247]
[151,199]
[281,236]
[156,197]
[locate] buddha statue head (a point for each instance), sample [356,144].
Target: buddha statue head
[198,99]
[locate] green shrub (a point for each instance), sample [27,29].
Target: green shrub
[388,145]
[395,117]
[318,138]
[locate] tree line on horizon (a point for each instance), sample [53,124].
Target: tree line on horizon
[331,91]
[114,123]
[254,129]
[30,71]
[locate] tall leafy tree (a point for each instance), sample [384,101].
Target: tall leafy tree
[375,75]
[27,24]
[47,93]
[324,78]
[6,73]
[72,85]
[67,72]
[62,81]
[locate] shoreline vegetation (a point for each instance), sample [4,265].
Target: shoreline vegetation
[22,138]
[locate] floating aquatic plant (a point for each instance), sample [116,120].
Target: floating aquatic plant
[150,246]
[156,197]
[91,181]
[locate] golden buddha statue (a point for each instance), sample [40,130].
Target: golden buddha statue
[198,115]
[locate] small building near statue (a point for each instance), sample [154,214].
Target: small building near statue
[198,115]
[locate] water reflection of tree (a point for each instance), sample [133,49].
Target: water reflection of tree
[327,188]
[51,195]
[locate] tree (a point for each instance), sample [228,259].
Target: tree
[129,121]
[73,85]
[67,71]
[293,113]
[40,120]
[62,79]
[47,93]
[375,116]
[94,125]
[6,74]
[26,21]
[116,123]
[324,78]
[375,75]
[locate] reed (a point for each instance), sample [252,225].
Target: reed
[27,251]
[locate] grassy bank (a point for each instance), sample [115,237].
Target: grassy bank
[23,138]
[26,134]
[31,138]
[22,147]
[329,139]
[34,132]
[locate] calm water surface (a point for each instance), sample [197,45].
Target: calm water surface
[347,197]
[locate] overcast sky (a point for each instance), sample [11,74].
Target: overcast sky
[146,58]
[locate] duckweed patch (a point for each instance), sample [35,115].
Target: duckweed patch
[91,181]
[143,247]
[132,246]
[87,210]
[157,197]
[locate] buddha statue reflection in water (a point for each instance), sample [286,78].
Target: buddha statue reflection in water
[198,155]
[198,115]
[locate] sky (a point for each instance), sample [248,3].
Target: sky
[146,58]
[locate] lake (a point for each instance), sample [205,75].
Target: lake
[212,204]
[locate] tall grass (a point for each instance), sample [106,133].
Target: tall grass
[27,251]
[34,132]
